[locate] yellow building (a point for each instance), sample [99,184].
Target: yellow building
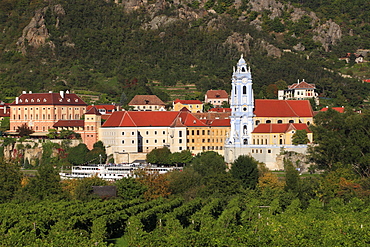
[193,106]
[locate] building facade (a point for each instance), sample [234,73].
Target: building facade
[263,128]
[193,106]
[298,91]
[147,103]
[216,97]
[40,111]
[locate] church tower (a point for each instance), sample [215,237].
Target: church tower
[242,106]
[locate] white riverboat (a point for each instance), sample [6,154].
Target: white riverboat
[113,171]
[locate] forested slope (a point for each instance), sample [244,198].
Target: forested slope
[110,48]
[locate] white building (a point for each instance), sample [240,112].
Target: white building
[298,91]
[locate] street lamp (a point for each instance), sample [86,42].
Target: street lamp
[100,158]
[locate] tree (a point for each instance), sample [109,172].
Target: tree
[130,188]
[10,180]
[5,124]
[97,154]
[46,184]
[78,154]
[157,184]
[160,156]
[209,163]
[292,180]
[84,188]
[24,130]
[300,137]
[182,158]
[245,169]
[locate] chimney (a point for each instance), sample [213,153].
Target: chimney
[16,100]
[24,92]
[61,94]
[30,92]
[50,91]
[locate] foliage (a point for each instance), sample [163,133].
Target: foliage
[78,154]
[24,130]
[160,156]
[83,190]
[300,137]
[10,180]
[5,124]
[341,138]
[208,163]
[245,169]
[130,188]
[156,184]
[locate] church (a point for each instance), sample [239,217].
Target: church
[263,128]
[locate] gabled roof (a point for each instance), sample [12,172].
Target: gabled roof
[146,100]
[219,94]
[338,109]
[152,118]
[69,123]
[302,85]
[187,102]
[219,109]
[282,108]
[280,128]
[107,107]
[217,122]
[92,111]
[63,98]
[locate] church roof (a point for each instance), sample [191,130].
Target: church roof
[152,119]
[216,94]
[280,128]
[302,85]
[146,100]
[282,108]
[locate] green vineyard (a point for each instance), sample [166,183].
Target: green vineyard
[230,221]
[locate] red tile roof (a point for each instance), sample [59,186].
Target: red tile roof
[219,109]
[338,109]
[69,123]
[366,80]
[92,111]
[108,107]
[282,108]
[146,100]
[151,118]
[49,99]
[188,102]
[302,85]
[280,128]
[217,122]
[213,94]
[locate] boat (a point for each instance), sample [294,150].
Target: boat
[113,172]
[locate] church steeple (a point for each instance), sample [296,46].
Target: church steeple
[242,105]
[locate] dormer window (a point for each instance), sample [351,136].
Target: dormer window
[26,100]
[76,100]
[20,100]
[44,100]
[68,100]
[38,100]
[60,100]
[32,100]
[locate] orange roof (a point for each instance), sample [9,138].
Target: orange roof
[69,123]
[64,98]
[108,107]
[151,118]
[217,122]
[338,109]
[282,108]
[213,94]
[301,85]
[93,111]
[146,100]
[280,128]
[187,102]
[219,109]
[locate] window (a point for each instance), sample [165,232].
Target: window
[268,121]
[155,141]
[180,140]
[180,133]
[192,132]
[198,132]
[269,151]
[155,132]
[203,132]
[147,133]
[146,141]
[244,90]
[132,133]
[123,133]
[291,121]
[164,132]
[163,141]
[257,122]
[280,121]
[133,141]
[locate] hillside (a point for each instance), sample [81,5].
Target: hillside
[135,47]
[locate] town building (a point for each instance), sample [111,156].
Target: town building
[147,103]
[4,110]
[106,109]
[216,97]
[263,128]
[193,106]
[298,91]
[40,111]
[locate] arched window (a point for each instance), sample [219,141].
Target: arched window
[268,121]
[244,89]
[280,121]
[245,129]
[257,122]
[291,121]
[245,141]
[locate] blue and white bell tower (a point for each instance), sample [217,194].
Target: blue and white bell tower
[242,106]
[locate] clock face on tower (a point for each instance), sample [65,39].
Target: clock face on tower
[244,80]
[245,108]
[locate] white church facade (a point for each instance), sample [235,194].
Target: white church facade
[263,128]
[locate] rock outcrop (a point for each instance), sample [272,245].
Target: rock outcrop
[328,34]
[36,33]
